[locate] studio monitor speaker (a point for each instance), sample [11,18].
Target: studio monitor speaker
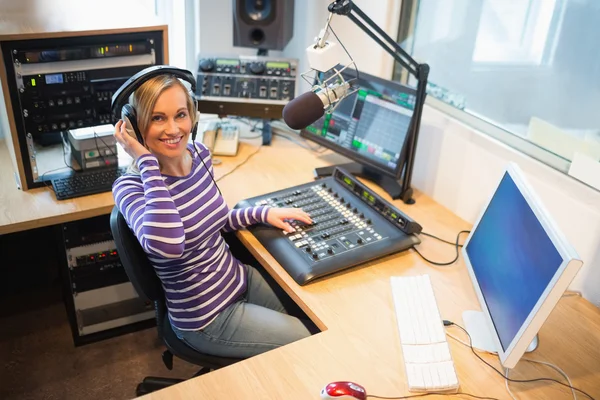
[263,24]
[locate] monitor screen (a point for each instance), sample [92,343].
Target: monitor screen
[513,259]
[520,264]
[371,125]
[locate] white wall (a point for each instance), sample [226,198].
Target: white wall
[367,54]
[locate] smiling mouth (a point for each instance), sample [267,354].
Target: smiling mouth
[172,141]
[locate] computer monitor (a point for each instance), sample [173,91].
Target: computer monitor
[520,264]
[370,127]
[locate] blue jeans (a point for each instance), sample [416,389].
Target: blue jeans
[257,322]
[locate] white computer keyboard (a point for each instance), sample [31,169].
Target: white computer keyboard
[427,359]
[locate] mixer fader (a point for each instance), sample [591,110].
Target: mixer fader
[351,225]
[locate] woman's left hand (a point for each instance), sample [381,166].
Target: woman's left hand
[278,216]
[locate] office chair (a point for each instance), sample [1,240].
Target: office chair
[147,284]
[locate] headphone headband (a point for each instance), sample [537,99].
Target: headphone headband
[121,96]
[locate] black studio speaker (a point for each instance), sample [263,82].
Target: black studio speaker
[263,24]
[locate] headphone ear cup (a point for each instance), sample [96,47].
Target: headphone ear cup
[128,115]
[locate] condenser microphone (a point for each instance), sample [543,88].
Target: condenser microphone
[307,108]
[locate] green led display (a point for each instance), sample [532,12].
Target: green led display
[227,62]
[275,64]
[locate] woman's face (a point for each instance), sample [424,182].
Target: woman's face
[170,124]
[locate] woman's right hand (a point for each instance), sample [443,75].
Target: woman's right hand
[134,148]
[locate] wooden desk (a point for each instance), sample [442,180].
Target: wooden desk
[354,308]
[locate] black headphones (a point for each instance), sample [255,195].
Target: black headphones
[120,100]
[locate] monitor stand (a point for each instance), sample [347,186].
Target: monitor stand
[387,183]
[481,338]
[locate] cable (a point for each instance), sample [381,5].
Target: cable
[432,394]
[510,393]
[344,47]
[239,165]
[277,125]
[556,369]
[523,358]
[440,239]
[456,244]
[507,378]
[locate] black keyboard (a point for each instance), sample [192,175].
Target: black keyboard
[86,183]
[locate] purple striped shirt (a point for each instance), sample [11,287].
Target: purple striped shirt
[178,221]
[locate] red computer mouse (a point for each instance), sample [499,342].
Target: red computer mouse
[343,391]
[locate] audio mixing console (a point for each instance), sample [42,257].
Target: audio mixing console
[351,225]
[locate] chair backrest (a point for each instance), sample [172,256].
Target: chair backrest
[134,259]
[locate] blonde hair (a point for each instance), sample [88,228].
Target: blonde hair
[144,98]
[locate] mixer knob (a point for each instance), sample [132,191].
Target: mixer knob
[335,195]
[330,251]
[368,221]
[342,200]
[257,68]
[206,65]
[308,249]
[344,221]
[348,205]
[359,241]
[362,215]
[330,190]
[315,256]
[355,210]
[323,185]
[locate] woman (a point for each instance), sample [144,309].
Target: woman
[215,303]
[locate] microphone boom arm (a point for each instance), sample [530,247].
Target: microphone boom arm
[419,71]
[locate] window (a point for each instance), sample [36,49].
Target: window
[525,71]
[515,32]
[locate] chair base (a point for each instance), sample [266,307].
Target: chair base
[153,383]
